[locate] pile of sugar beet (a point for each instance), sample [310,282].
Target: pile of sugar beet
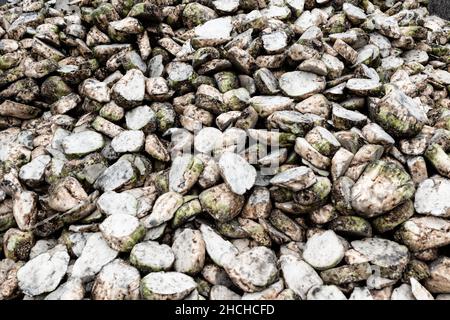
[224,149]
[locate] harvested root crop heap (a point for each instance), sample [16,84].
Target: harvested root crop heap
[224,149]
